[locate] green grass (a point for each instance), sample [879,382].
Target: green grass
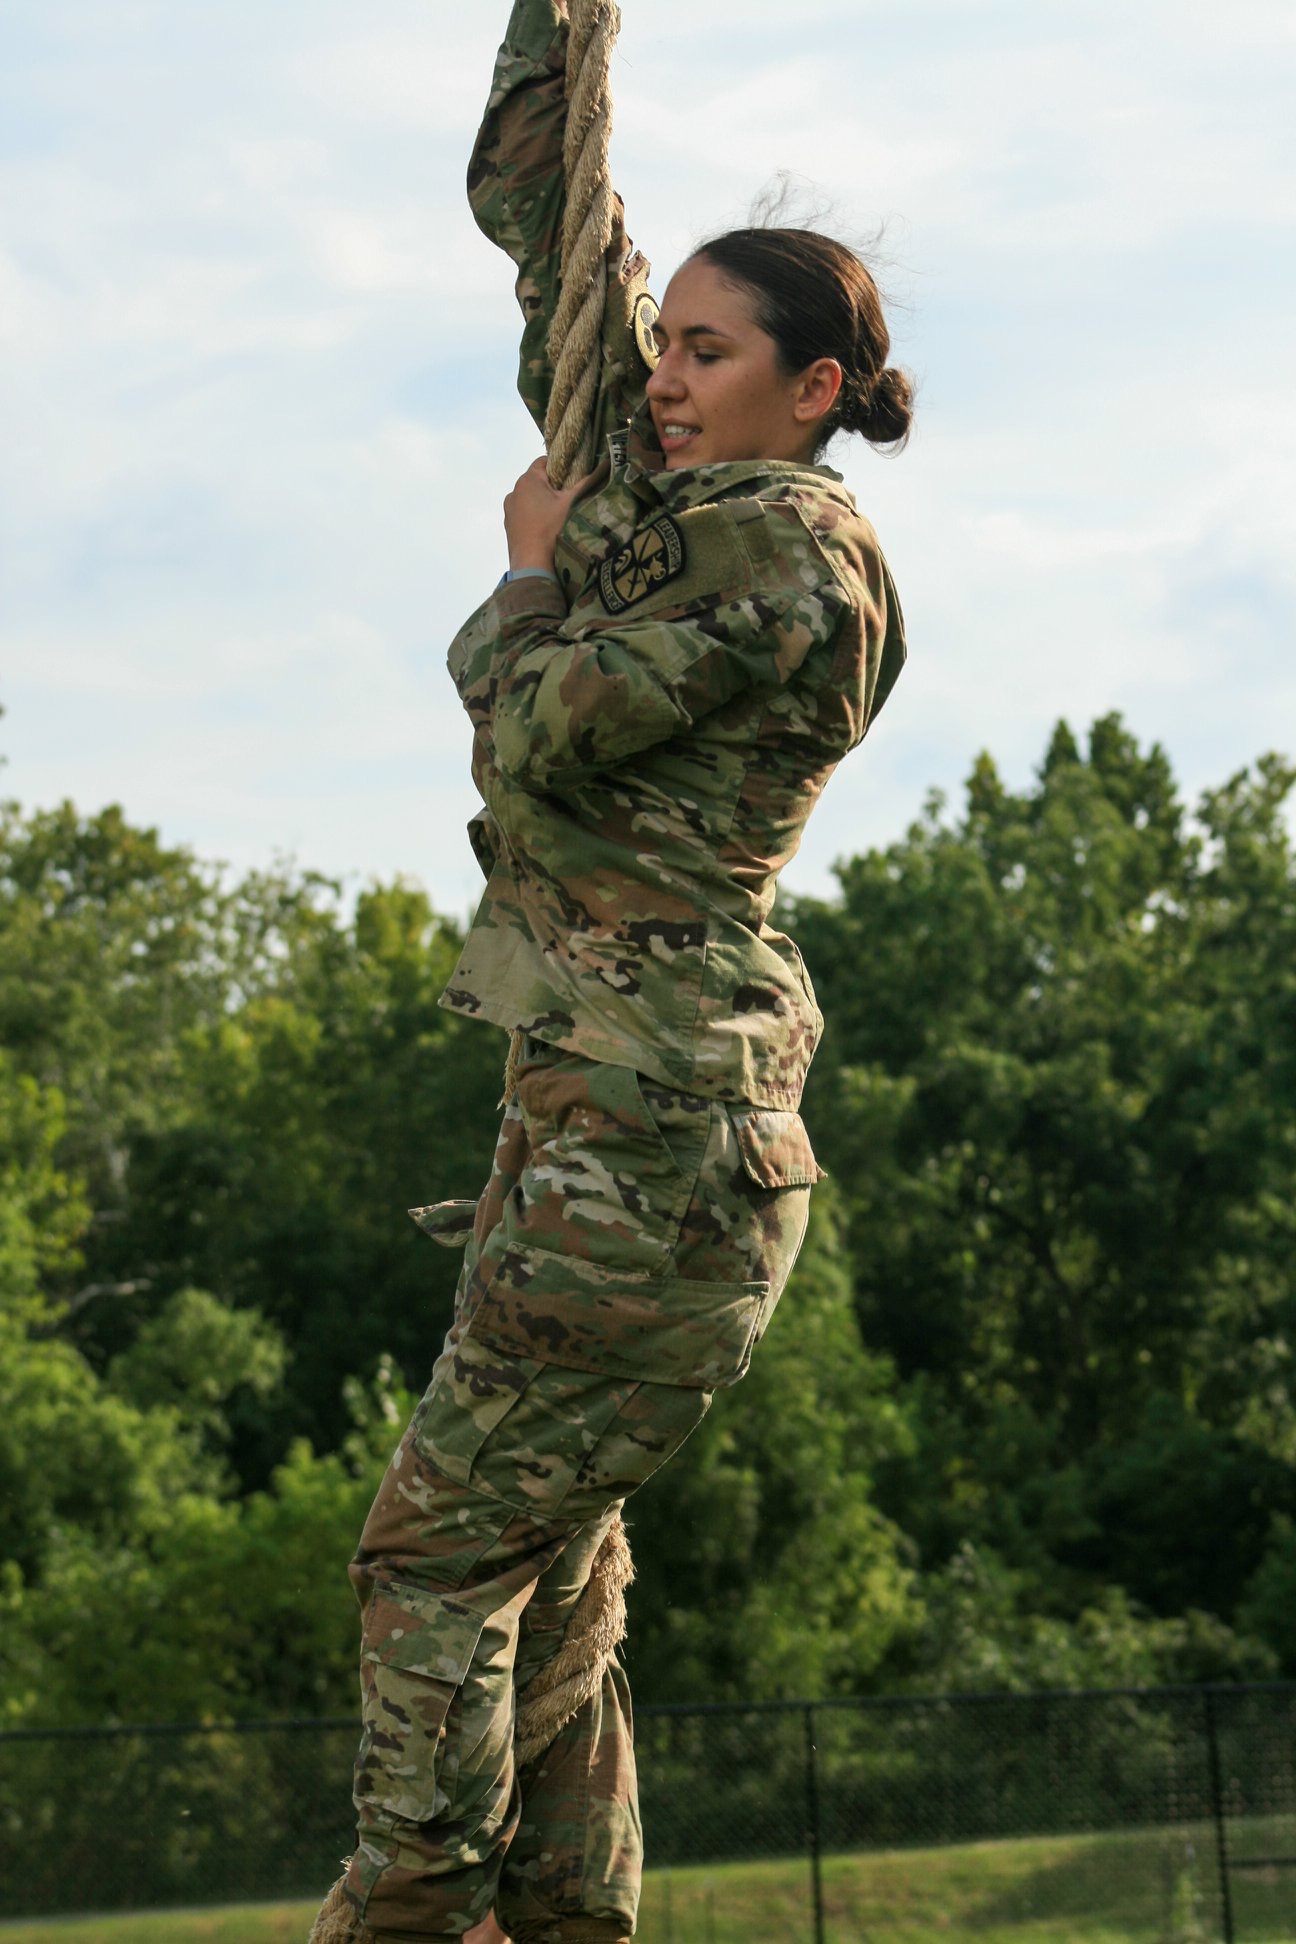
[1147,1887]
[1061,1890]
[237,1924]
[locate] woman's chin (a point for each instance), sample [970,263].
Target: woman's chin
[682,452]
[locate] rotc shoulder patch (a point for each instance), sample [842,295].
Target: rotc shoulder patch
[646,313]
[654,556]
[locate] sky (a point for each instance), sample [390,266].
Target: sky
[257,413]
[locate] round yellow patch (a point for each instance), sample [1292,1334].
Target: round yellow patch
[646,312]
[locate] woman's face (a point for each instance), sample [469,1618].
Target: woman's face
[718,392]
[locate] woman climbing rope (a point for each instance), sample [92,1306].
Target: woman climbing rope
[689,638]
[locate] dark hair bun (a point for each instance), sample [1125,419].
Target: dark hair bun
[883,413]
[817,299]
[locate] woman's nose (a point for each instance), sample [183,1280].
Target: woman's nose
[661,382]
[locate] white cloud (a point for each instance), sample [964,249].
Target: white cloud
[407,70]
[1036,546]
[257,370]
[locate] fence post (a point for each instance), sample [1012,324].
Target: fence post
[1217,1806]
[812,1825]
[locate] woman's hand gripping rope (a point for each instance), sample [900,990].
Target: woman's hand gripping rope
[534,513]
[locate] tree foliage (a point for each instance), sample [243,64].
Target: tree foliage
[1057,1087]
[1025,1415]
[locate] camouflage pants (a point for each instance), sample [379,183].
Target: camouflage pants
[626,1254]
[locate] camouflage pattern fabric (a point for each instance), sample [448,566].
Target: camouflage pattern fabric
[652,732]
[517,192]
[625,1256]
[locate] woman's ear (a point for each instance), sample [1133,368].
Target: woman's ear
[818,387]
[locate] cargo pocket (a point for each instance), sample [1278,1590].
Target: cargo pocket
[513,1429]
[449,1222]
[612,1164]
[562,1310]
[472,1391]
[416,1650]
[775,1148]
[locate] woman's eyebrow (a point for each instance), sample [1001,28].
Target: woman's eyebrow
[696,331]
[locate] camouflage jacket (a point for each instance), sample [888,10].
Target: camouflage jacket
[652,731]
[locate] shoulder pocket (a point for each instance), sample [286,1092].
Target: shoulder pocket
[775,1147]
[670,567]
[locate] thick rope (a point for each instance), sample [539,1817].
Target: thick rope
[511,1065]
[337,1922]
[598,1623]
[576,328]
[573,1675]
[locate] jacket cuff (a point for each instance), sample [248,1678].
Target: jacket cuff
[532,29]
[532,597]
[483,835]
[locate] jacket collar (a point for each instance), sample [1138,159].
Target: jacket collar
[649,479]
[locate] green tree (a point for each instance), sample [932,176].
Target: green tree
[764,1566]
[256,1086]
[1056,1085]
[200,1605]
[1025,1415]
[314,1114]
[110,946]
[43,1212]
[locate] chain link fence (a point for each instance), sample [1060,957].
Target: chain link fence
[1159,1814]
